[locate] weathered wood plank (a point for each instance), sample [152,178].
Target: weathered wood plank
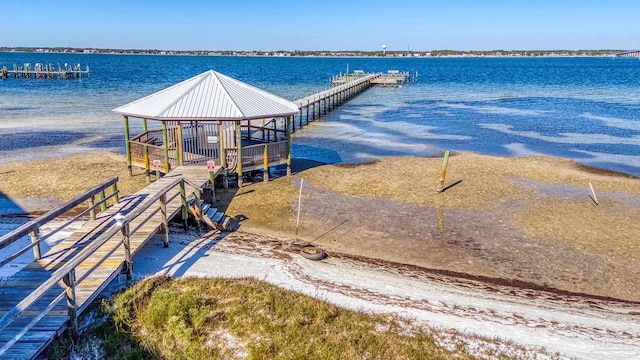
[31,277]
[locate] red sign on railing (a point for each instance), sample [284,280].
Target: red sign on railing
[157,165]
[211,165]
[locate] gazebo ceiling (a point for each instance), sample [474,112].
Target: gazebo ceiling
[209,96]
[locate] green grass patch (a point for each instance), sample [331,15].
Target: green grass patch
[245,318]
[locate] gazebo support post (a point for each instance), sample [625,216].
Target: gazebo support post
[127,146]
[223,155]
[288,130]
[179,150]
[239,152]
[147,167]
[265,159]
[165,141]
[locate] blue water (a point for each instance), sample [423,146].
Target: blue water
[587,109]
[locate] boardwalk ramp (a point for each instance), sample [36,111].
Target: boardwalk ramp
[44,298]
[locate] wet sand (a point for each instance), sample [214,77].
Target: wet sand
[528,221]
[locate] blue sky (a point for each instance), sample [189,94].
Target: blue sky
[323,25]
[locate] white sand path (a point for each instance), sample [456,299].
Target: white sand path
[539,324]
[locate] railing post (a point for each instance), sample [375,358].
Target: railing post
[35,239]
[165,141]
[147,165]
[116,196]
[126,242]
[265,175]
[197,209]
[92,207]
[163,216]
[72,306]
[183,198]
[103,204]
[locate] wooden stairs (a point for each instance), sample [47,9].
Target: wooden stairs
[209,215]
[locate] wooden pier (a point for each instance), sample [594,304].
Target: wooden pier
[45,71]
[45,298]
[393,78]
[315,106]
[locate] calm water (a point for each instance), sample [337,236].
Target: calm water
[587,109]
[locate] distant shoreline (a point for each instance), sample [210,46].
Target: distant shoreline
[328,54]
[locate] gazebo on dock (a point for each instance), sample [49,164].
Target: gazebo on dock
[210,117]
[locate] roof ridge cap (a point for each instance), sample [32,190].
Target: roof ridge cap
[197,82]
[216,74]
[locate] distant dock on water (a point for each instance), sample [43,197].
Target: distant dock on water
[45,71]
[393,78]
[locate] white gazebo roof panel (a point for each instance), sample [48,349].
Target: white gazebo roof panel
[211,96]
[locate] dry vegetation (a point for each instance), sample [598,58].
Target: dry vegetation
[66,177]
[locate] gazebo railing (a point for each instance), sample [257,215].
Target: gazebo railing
[154,152]
[263,133]
[254,155]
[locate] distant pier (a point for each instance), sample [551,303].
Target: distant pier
[630,53]
[393,78]
[45,71]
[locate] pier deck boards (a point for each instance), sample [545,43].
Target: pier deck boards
[24,282]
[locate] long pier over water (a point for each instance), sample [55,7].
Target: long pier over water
[46,297]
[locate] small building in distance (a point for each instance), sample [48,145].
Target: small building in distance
[210,117]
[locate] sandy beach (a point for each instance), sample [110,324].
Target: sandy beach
[515,248]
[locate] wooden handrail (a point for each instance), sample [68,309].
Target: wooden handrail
[69,267]
[32,225]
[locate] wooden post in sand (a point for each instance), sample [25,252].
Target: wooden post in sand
[443,172]
[595,199]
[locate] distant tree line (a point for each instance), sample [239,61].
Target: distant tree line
[379,53]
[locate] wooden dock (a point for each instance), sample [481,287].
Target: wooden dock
[315,106]
[45,71]
[33,309]
[392,78]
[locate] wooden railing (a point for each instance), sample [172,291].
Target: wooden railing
[254,155]
[153,152]
[33,227]
[263,133]
[67,272]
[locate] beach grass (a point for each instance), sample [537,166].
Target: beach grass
[194,318]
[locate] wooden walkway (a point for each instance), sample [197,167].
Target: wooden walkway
[91,275]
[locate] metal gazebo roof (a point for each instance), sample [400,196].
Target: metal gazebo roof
[209,96]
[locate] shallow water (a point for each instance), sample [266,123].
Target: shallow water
[585,109]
